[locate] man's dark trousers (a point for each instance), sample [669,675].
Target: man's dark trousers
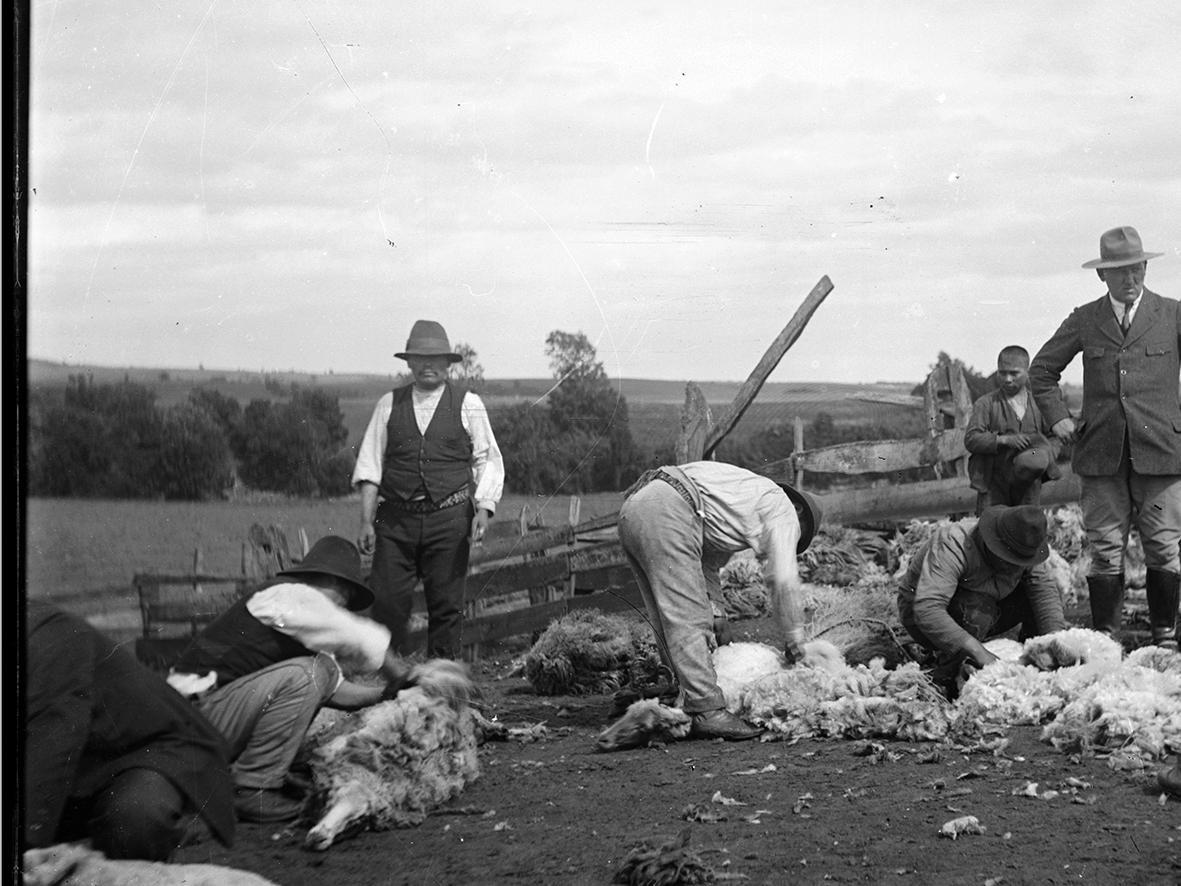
[434,547]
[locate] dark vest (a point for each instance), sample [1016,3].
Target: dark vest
[236,643]
[438,462]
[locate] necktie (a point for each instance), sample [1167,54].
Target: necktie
[1126,319]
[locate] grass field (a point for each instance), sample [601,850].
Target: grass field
[78,545]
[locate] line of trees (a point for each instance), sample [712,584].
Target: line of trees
[90,440]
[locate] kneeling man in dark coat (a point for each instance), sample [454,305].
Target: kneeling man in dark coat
[111,753]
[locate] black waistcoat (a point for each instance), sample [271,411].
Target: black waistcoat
[438,461]
[236,643]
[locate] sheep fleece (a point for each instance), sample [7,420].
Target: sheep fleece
[390,764]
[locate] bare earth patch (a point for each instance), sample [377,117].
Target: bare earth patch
[555,811]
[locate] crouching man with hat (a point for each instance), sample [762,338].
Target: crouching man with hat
[430,476]
[678,526]
[261,670]
[1127,441]
[974,580]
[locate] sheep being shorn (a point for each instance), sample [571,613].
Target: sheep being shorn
[389,764]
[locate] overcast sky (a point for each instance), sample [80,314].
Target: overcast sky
[284,184]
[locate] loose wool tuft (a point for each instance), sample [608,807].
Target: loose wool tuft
[1073,646]
[389,764]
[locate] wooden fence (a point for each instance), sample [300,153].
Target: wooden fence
[523,577]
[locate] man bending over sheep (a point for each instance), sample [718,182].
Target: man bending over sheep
[263,668]
[973,580]
[675,524]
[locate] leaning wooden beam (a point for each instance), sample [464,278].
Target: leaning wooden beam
[754,382]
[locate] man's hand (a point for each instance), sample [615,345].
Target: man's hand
[1064,429]
[367,538]
[1013,441]
[793,648]
[480,525]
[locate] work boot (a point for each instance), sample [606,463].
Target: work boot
[1164,595]
[265,805]
[721,724]
[1107,602]
[1169,778]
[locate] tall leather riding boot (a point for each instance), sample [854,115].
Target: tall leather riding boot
[1107,602]
[1164,595]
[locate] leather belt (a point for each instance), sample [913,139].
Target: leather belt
[425,505]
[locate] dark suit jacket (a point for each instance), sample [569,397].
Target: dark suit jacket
[991,417]
[93,711]
[1130,386]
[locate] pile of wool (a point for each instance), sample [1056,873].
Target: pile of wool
[389,764]
[589,652]
[76,864]
[842,556]
[1132,708]
[743,588]
[1077,684]
[825,697]
[861,621]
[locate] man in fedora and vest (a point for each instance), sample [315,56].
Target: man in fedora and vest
[430,476]
[1127,440]
[678,525]
[261,670]
[977,579]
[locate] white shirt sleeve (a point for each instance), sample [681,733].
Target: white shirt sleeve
[306,615]
[371,454]
[487,462]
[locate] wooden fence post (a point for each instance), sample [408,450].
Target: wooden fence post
[798,446]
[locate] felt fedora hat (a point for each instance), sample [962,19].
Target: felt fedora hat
[1016,535]
[809,512]
[336,556]
[428,339]
[1031,462]
[1119,247]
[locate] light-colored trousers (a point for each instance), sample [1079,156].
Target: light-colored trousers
[265,715]
[662,537]
[1111,504]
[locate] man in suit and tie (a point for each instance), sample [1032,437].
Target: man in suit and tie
[1127,440]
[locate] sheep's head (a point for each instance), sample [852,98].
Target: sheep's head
[642,722]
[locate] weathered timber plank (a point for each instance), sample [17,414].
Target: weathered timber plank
[696,423]
[872,456]
[490,628]
[499,548]
[504,578]
[770,360]
[930,498]
[597,556]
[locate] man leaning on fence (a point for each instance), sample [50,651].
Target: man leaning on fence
[427,445]
[1127,441]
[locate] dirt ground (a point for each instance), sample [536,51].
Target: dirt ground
[556,812]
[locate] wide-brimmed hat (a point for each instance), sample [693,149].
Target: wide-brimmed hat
[1016,535]
[1031,462]
[428,339]
[336,556]
[1120,247]
[809,512]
